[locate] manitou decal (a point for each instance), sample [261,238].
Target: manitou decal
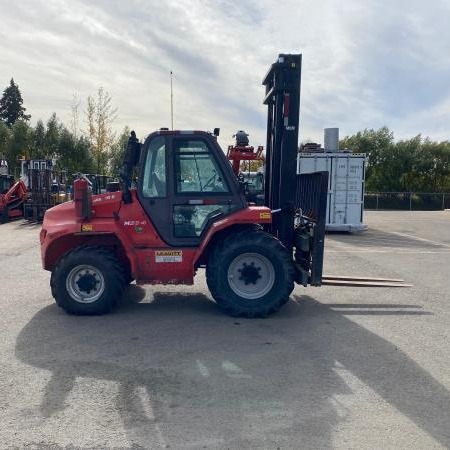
[168,256]
[134,223]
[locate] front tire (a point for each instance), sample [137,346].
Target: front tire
[88,281]
[250,274]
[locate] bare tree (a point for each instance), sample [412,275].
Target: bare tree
[75,116]
[100,115]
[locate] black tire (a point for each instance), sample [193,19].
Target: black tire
[4,216]
[92,266]
[239,294]
[127,277]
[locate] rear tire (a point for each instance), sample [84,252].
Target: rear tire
[250,274]
[87,281]
[4,216]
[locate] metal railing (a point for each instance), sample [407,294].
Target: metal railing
[407,201]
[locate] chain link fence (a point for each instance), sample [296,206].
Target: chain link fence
[407,201]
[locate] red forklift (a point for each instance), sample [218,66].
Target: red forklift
[189,211]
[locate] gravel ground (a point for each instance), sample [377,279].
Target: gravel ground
[337,367]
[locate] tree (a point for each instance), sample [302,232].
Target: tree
[11,108]
[52,136]
[74,153]
[84,161]
[396,172]
[5,136]
[410,165]
[117,153]
[100,115]
[431,170]
[372,143]
[252,166]
[75,116]
[38,150]
[19,144]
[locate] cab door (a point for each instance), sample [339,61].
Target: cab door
[185,185]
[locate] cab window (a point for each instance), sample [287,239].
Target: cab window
[192,220]
[154,178]
[196,169]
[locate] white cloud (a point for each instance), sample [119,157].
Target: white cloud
[365,64]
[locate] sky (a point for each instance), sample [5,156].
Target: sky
[366,63]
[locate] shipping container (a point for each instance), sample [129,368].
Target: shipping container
[345,207]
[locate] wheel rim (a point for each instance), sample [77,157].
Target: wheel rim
[85,284]
[251,275]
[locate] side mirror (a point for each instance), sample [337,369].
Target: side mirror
[133,151]
[131,159]
[216,132]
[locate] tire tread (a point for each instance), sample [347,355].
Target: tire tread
[242,238]
[116,268]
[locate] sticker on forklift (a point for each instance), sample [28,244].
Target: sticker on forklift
[86,227]
[264,215]
[168,256]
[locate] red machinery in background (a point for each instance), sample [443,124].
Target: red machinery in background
[253,179]
[11,202]
[243,152]
[12,195]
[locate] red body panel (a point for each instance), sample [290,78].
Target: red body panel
[127,228]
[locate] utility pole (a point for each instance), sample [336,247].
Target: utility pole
[171,99]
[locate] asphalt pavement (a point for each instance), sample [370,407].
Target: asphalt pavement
[337,367]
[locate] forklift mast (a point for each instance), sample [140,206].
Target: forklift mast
[282,84]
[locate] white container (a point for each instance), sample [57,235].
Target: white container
[345,207]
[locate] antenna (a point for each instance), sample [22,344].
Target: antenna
[171,99]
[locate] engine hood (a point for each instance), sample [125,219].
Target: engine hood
[106,205]
[103,205]
[62,212]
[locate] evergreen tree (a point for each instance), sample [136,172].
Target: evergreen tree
[52,133]
[38,150]
[5,137]
[11,108]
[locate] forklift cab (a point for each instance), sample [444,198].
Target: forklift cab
[185,185]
